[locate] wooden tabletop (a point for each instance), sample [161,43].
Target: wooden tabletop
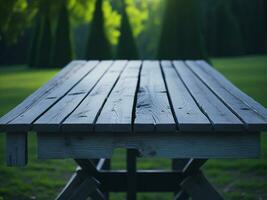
[137,96]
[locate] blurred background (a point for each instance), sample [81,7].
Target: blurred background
[38,37]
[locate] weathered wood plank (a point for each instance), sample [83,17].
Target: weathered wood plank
[188,114]
[206,145]
[243,106]
[24,121]
[42,92]
[153,111]
[116,115]
[220,116]
[85,115]
[16,149]
[51,120]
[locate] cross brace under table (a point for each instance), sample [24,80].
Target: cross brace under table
[95,179]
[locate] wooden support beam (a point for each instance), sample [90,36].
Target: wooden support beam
[182,195]
[16,149]
[131,174]
[104,164]
[198,187]
[85,189]
[72,184]
[206,145]
[178,165]
[146,180]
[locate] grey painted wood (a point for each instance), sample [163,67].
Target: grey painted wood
[179,164]
[252,113]
[153,111]
[198,187]
[131,174]
[84,116]
[16,149]
[98,195]
[116,115]
[206,145]
[42,92]
[221,117]
[76,179]
[24,121]
[85,189]
[51,120]
[188,114]
[181,196]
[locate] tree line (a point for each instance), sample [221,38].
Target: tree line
[50,33]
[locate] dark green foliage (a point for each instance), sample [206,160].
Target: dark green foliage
[250,16]
[44,43]
[98,46]
[61,53]
[181,36]
[127,47]
[34,42]
[265,26]
[224,38]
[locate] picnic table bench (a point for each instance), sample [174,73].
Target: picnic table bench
[182,110]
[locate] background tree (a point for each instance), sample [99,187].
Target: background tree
[127,48]
[225,38]
[61,52]
[44,42]
[181,36]
[250,16]
[34,42]
[98,46]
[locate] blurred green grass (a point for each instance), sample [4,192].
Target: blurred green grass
[43,179]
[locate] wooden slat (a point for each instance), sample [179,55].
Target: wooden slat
[252,113]
[116,115]
[221,117]
[84,116]
[153,111]
[167,145]
[188,114]
[24,121]
[51,120]
[42,92]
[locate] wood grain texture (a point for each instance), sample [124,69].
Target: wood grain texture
[252,113]
[221,117]
[85,115]
[165,145]
[116,115]
[153,111]
[16,149]
[51,120]
[24,121]
[42,92]
[188,114]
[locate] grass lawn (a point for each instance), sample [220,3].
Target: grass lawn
[43,179]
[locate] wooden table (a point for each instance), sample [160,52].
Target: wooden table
[185,111]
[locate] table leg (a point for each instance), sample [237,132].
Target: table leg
[131,174]
[82,184]
[85,189]
[16,149]
[73,183]
[182,195]
[179,165]
[105,166]
[198,187]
